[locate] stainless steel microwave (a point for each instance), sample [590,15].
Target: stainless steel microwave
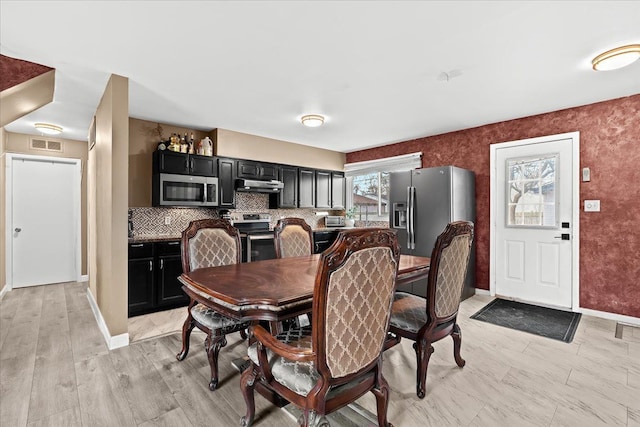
[184,190]
[334,221]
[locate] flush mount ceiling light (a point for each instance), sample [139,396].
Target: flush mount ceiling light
[616,58]
[312,120]
[49,129]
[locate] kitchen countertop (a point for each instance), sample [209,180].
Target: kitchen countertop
[148,238]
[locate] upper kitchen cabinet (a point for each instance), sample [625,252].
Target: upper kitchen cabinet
[249,169]
[306,188]
[338,190]
[323,189]
[226,182]
[288,196]
[165,161]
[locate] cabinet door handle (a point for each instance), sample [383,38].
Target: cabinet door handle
[150,265]
[173,243]
[139,245]
[161,264]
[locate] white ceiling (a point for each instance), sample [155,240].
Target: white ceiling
[371,67]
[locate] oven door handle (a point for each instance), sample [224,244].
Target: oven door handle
[260,236]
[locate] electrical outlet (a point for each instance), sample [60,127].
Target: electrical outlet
[167,220]
[592,205]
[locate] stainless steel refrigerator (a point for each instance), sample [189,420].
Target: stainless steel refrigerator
[423,202]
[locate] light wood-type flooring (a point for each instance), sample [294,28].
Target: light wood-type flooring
[55,370]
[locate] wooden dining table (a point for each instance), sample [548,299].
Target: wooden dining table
[272,290]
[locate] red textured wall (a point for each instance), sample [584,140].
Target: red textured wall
[16,71]
[609,145]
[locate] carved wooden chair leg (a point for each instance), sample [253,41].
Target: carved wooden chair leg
[382,402]
[310,418]
[423,349]
[457,343]
[306,418]
[214,343]
[247,386]
[187,327]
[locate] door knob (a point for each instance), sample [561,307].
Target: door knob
[564,236]
[18,229]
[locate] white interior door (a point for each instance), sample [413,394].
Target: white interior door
[44,219]
[534,221]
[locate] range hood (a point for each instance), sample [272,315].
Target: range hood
[257,186]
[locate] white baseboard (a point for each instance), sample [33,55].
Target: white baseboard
[621,318]
[117,341]
[84,278]
[4,290]
[483,292]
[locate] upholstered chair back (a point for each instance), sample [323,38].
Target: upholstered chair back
[358,298]
[293,237]
[210,243]
[452,261]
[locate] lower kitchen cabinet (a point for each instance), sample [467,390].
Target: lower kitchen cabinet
[169,289]
[154,268]
[140,278]
[322,239]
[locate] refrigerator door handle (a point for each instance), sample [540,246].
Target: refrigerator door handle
[412,212]
[408,224]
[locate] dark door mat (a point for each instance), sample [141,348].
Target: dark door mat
[546,322]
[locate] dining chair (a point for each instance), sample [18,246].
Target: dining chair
[292,237]
[427,320]
[209,243]
[323,367]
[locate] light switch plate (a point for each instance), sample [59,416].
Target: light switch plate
[586,174]
[592,205]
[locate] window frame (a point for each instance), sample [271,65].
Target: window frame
[385,165]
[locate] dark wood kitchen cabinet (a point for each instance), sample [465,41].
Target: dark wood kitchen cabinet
[306,188]
[338,190]
[322,239]
[165,161]
[323,189]
[288,196]
[140,278]
[249,169]
[154,268]
[168,289]
[226,182]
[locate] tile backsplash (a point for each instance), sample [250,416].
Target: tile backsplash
[151,221]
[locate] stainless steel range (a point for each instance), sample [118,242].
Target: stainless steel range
[255,234]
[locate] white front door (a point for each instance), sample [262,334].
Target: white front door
[43,220]
[535,220]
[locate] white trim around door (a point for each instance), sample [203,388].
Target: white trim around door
[76,163]
[575,214]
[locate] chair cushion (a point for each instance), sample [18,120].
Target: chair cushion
[214,320]
[408,312]
[297,376]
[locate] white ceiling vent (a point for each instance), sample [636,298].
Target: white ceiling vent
[46,145]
